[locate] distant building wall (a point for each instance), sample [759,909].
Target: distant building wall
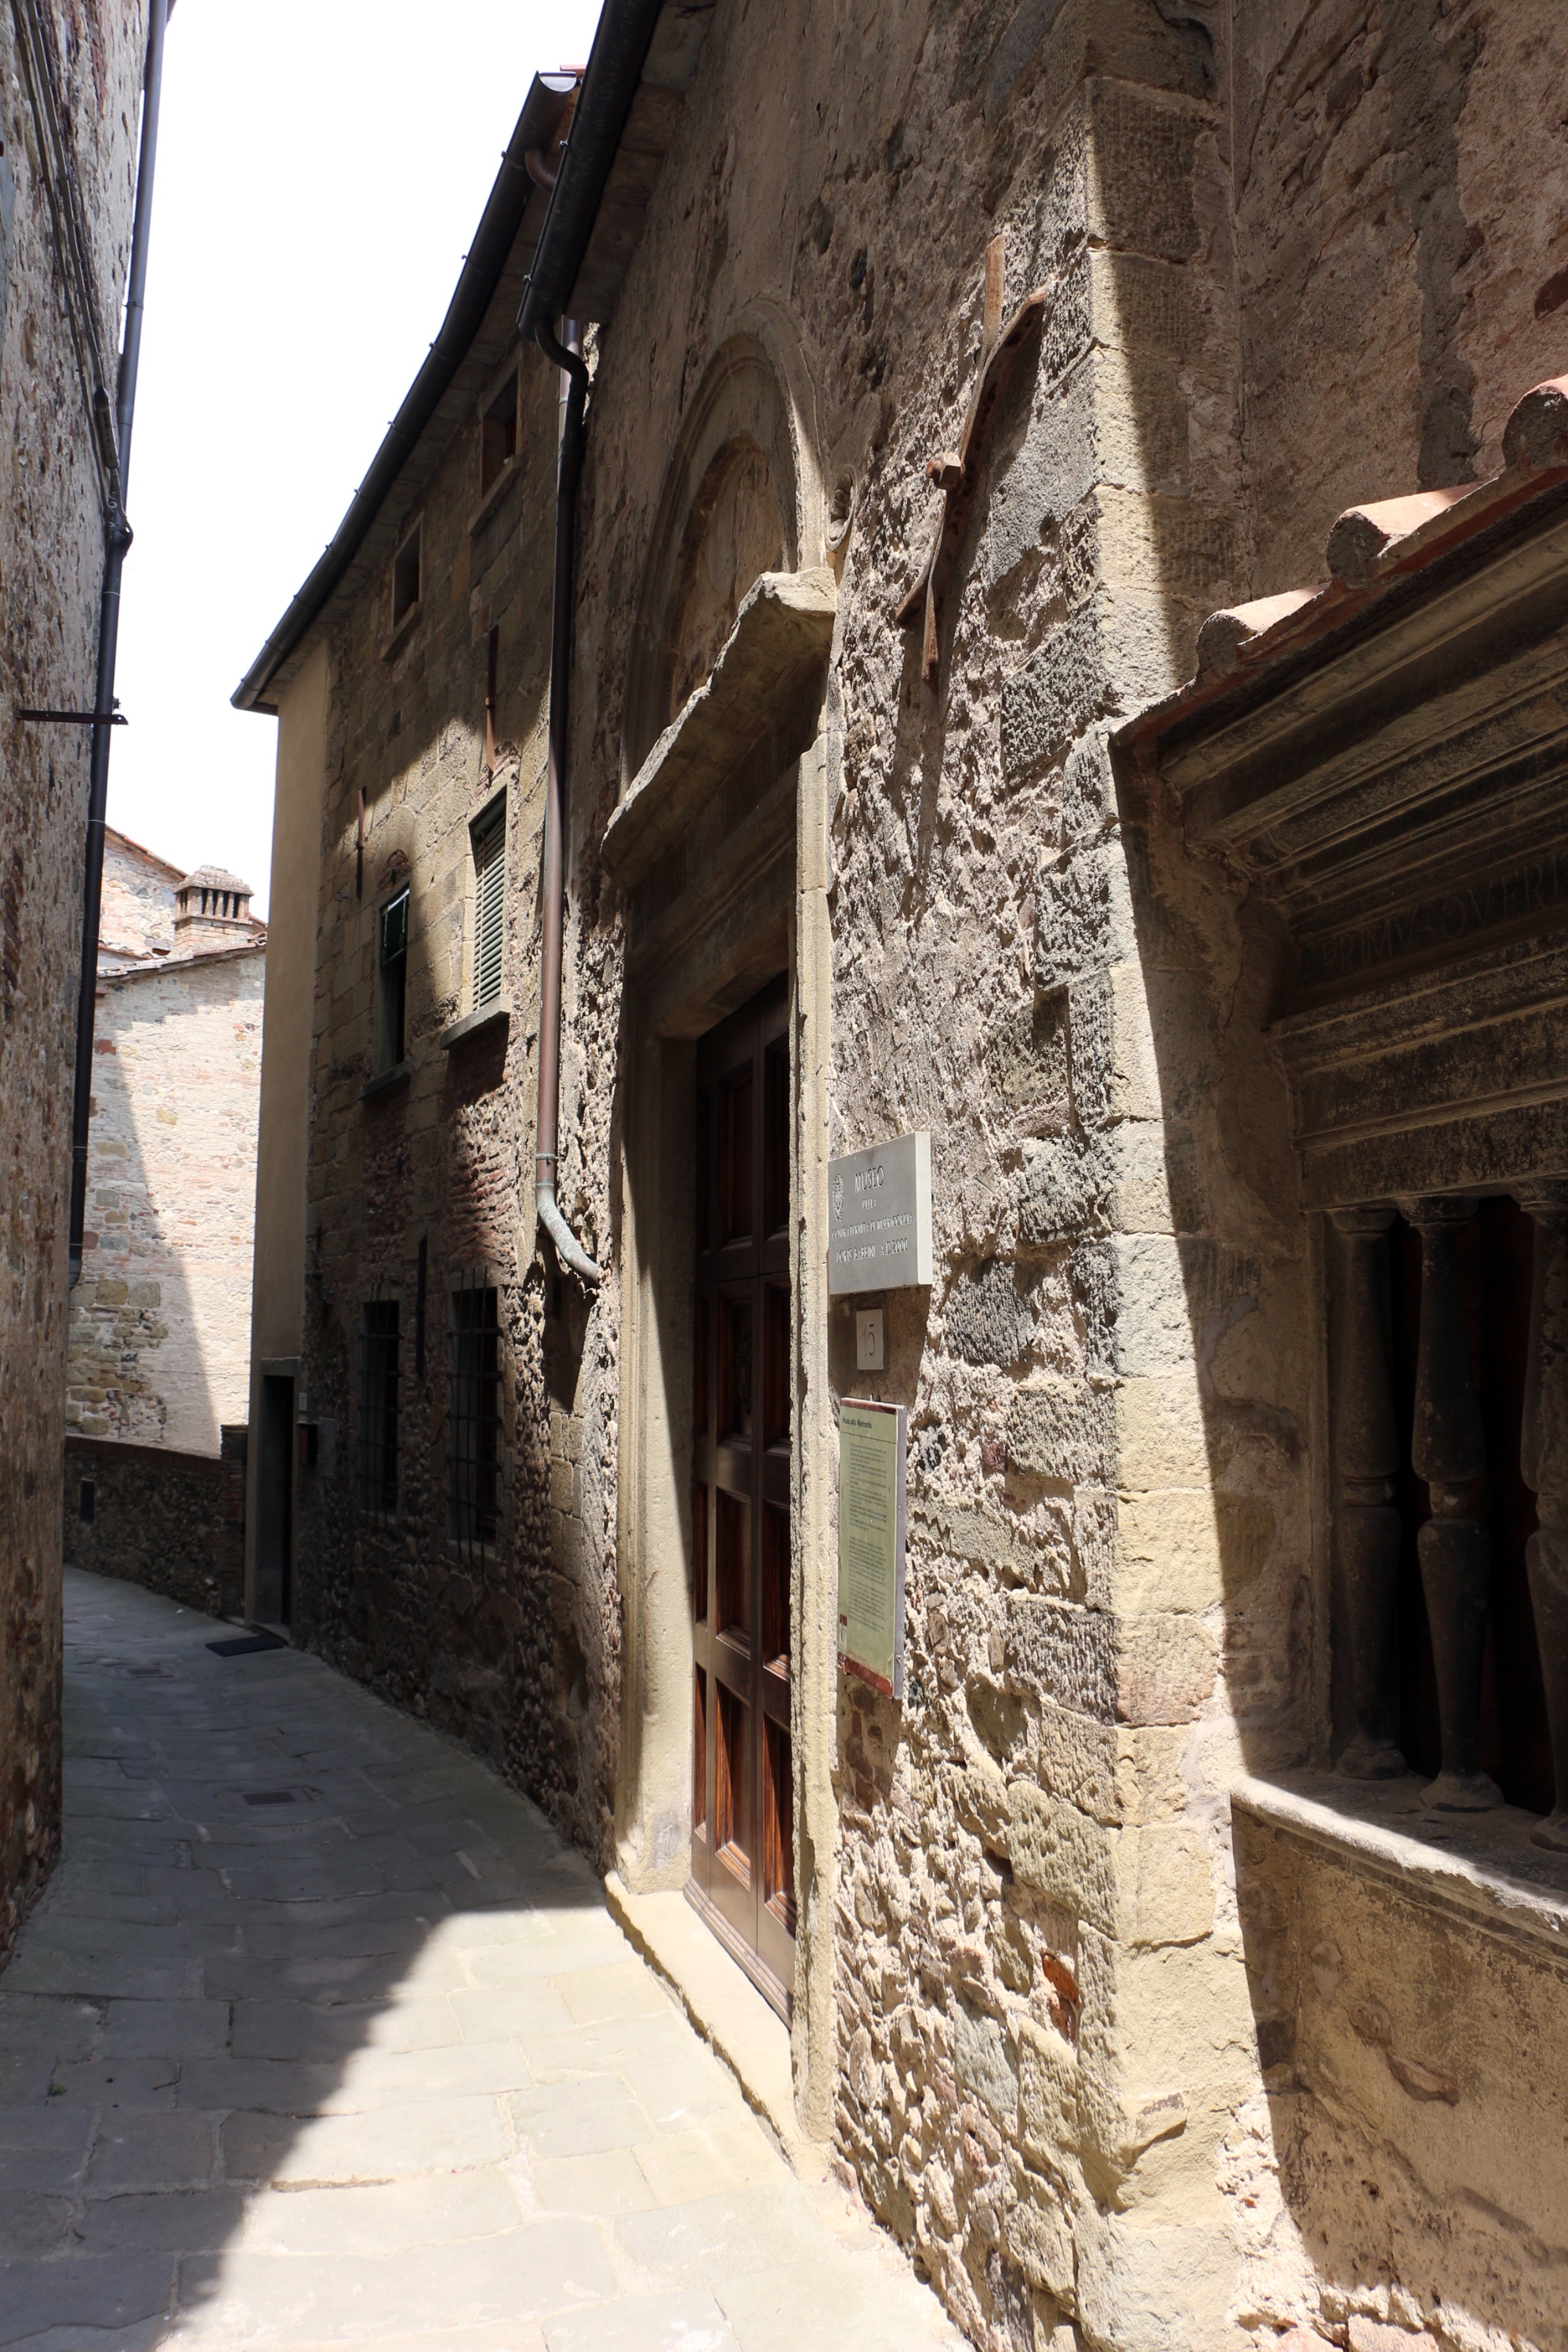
[137,916]
[160,1325]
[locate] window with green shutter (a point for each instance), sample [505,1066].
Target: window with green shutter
[489,904]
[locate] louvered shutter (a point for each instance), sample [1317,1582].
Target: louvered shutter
[489,911]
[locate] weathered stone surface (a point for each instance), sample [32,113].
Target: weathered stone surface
[1145,1886]
[989,1317]
[1050,2120]
[1062,1431]
[1083,916]
[72,96]
[1283,258]
[1109,657]
[1039,2237]
[983,2061]
[1149,1669]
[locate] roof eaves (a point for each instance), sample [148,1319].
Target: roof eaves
[483,272]
[1373,550]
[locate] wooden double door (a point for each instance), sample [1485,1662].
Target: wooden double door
[743,1846]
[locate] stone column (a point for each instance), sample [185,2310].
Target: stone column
[1543,1459]
[1448,1450]
[1366,1524]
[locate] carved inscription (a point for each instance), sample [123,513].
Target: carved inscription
[1491,902]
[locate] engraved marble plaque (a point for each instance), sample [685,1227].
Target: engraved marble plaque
[872,1473]
[879,1217]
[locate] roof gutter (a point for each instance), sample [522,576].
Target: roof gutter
[614,69]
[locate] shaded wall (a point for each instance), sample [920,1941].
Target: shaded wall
[1401,177]
[419,1180]
[171,1521]
[50,561]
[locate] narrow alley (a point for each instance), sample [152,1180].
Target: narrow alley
[319,2036]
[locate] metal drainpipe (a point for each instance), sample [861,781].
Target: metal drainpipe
[566,353]
[117,538]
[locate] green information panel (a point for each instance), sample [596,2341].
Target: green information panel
[871,1502]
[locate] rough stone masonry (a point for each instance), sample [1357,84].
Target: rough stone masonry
[69,84]
[1287,259]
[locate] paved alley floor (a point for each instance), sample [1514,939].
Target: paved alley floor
[321,2037]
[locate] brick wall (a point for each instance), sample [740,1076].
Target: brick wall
[172,1522]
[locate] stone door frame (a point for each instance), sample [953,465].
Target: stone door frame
[765,912]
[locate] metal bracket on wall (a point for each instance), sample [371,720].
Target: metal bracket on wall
[80,718]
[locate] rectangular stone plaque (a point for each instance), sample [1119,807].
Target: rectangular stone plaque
[872,1480]
[879,1217]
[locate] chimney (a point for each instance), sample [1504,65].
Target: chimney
[211,909]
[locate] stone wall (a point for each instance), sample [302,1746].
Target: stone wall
[137,917]
[159,1322]
[1048,2035]
[1400,253]
[1050,2077]
[421,1178]
[50,563]
[173,1522]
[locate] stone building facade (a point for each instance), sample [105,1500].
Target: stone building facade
[70,79]
[159,1343]
[966,380]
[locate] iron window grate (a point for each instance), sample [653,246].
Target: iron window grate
[378,1363]
[489,906]
[473,1417]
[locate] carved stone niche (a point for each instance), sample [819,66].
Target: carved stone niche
[1386,764]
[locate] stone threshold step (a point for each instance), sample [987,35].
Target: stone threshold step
[727,2010]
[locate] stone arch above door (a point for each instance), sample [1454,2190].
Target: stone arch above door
[740,498]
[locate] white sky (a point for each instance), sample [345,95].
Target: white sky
[321,167]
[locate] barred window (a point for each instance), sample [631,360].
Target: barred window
[473,1416]
[489,903]
[378,1406]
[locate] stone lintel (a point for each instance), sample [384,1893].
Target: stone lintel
[783,632]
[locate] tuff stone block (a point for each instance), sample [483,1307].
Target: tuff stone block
[1062,1431]
[1157,1668]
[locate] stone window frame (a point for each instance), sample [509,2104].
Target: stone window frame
[493,816]
[402,620]
[391,1026]
[487,495]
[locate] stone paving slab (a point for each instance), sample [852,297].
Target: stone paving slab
[373,2065]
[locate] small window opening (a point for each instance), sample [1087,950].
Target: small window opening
[87,1502]
[498,435]
[474,1417]
[488,836]
[392,983]
[405,578]
[378,1407]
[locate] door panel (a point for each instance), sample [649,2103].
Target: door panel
[743,1866]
